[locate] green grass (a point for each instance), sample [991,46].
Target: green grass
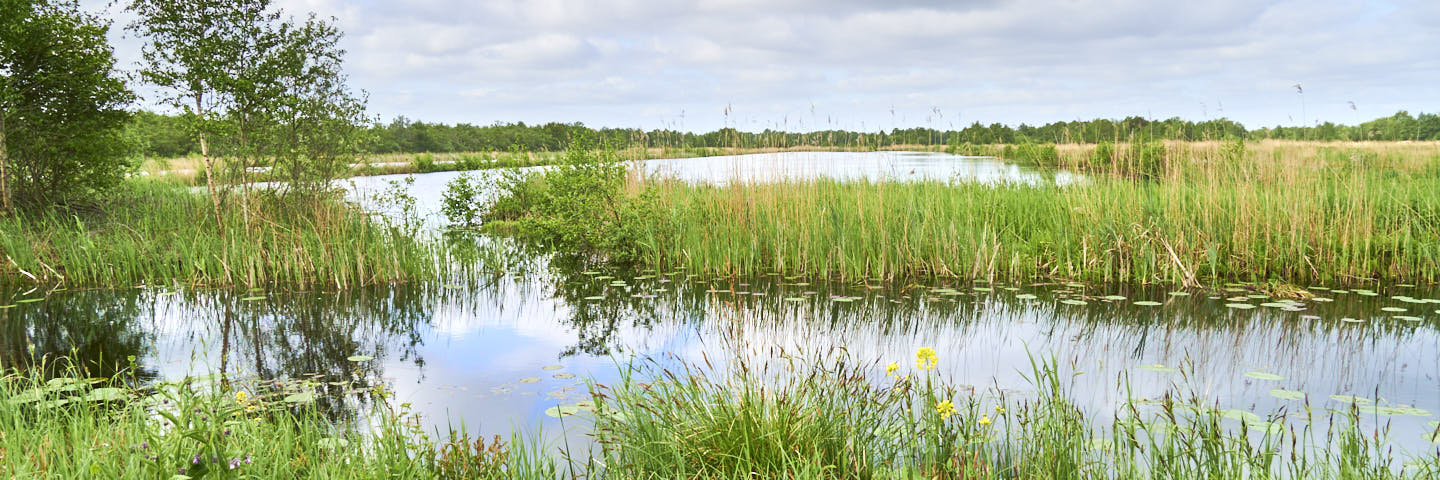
[1197,216]
[154,232]
[75,427]
[829,418]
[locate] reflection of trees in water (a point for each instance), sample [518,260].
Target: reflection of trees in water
[96,331]
[312,336]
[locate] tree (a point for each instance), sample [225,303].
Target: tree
[258,91]
[61,105]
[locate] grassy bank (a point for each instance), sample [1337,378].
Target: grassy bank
[1212,213]
[76,427]
[159,233]
[831,419]
[190,170]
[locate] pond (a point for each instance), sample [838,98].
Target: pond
[498,351]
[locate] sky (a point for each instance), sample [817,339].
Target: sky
[803,65]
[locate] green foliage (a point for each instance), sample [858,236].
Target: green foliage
[1043,155]
[146,233]
[160,136]
[461,202]
[61,105]
[258,90]
[1202,218]
[581,204]
[73,426]
[425,163]
[827,417]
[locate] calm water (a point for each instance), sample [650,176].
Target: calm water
[498,351]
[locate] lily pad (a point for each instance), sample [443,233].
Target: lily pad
[251,299]
[530,380]
[1240,306]
[1287,394]
[302,397]
[1392,309]
[1244,416]
[1352,320]
[28,396]
[564,376]
[552,367]
[1264,376]
[1352,399]
[107,394]
[1148,303]
[1115,298]
[359,358]
[562,411]
[1026,296]
[1074,302]
[1179,294]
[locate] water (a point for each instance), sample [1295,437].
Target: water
[479,352]
[428,189]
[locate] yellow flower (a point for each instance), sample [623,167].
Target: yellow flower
[891,368]
[925,358]
[999,409]
[945,408]
[242,397]
[984,420]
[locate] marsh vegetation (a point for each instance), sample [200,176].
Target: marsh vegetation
[203,294]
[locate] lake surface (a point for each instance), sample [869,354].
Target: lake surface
[498,351]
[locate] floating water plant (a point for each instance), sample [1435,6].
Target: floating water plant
[1264,376]
[1287,394]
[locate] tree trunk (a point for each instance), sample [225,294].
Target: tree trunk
[4,175]
[210,174]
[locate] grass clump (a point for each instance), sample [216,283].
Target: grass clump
[156,232]
[1190,215]
[828,418]
[76,427]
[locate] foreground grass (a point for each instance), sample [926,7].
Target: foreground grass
[75,427]
[1208,214]
[825,418]
[793,418]
[153,232]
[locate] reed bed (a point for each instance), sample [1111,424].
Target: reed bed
[1209,213]
[159,233]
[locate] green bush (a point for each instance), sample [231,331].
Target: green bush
[425,163]
[461,201]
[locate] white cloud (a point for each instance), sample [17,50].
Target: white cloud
[642,62]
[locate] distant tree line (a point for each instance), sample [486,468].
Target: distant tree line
[164,136]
